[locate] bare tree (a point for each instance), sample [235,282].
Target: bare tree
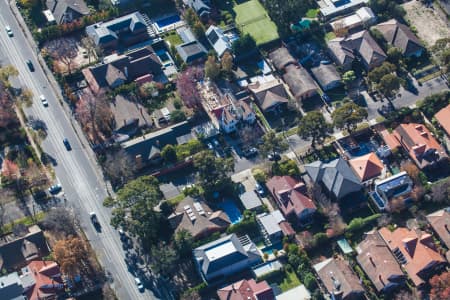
[119,167]
[384,220]
[89,45]
[63,50]
[60,221]
[248,135]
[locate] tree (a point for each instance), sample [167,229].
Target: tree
[177,116]
[412,170]
[441,191]
[395,55]
[163,259]
[348,116]
[134,210]
[245,44]
[64,51]
[389,85]
[314,126]
[310,281]
[376,74]
[169,154]
[6,72]
[227,62]
[273,143]
[72,255]
[119,166]
[248,135]
[212,68]
[89,45]
[187,87]
[349,77]
[60,221]
[183,243]
[95,115]
[149,89]
[440,286]
[28,3]
[213,172]
[198,29]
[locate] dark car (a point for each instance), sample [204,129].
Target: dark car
[67,144]
[274,156]
[30,65]
[55,189]
[247,153]
[95,221]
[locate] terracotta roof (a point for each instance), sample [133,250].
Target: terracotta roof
[378,262]
[47,278]
[421,145]
[246,290]
[367,166]
[440,221]
[390,140]
[289,195]
[416,248]
[443,117]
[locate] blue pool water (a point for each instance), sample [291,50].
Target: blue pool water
[231,210]
[269,249]
[168,21]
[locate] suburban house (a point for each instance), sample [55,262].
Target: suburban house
[367,166]
[250,200]
[226,256]
[332,8]
[362,17]
[361,44]
[42,279]
[416,252]
[191,51]
[263,270]
[274,227]
[440,222]
[281,58]
[201,7]
[270,95]
[379,264]
[116,70]
[289,195]
[443,117]
[420,144]
[336,176]
[246,289]
[392,187]
[339,279]
[18,249]
[196,217]
[400,36]
[146,150]
[300,83]
[66,11]
[125,31]
[218,40]
[327,76]
[11,287]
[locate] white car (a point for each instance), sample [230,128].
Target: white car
[43,100]
[9,31]
[139,284]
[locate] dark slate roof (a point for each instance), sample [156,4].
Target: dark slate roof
[399,35]
[337,176]
[366,46]
[269,94]
[60,7]
[299,80]
[191,51]
[152,143]
[326,74]
[201,7]
[281,58]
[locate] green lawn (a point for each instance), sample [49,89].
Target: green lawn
[173,38]
[252,18]
[312,13]
[285,280]
[329,36]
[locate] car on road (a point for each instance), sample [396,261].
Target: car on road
[9,31]
[67,144]
[259,189]
[94,220]
[274,156]
[55,189]
[43,100]
[30,65]
[247,153]
[139,284]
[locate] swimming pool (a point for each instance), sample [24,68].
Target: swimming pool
[269,249]
[231,210]
[168,21]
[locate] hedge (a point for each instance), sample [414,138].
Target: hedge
[359,223]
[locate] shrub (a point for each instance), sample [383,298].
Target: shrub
[259,175]
[320,239]
[310,281]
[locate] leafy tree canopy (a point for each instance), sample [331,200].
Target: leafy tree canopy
[314,126]
[348,116]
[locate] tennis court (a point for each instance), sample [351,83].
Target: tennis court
[252,18]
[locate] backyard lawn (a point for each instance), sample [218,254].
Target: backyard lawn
[252,18]
[285,281]
[173,38]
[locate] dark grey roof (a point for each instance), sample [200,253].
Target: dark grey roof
[336,176]
[299,81]
[201,7]
[399,35]
[326,74]
[150,144]
[11,287]
[281,58]
[191,51]
[60,8]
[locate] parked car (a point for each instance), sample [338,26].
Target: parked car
[216,142]
[210,146]
[274,156]
[30,65]
[247,153]
[67,144]
[259,189]
[94,220]
[9,31]
[43,100]
[139,284]
[55,189]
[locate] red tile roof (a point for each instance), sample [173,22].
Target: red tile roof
[416,247]
[443,117]
[367,166]
[288,193]
[246,290]
[47,277]
[440,221]
[387,137]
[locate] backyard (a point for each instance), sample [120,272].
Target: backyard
[286,280]
[252,18]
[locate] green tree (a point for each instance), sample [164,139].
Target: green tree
[212,68]
[349,77]
[177,116]
[348,116]
[169,153]
[310,281]
[213,172]
[183,243]
[134,210]
[6,72]
[227,62]
[395,55]
[245,44]
[376,74]
[198,29]
[314,126]
[163,259]
[273,143]
[389,85]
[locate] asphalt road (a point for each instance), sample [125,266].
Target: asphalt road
[76,170]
